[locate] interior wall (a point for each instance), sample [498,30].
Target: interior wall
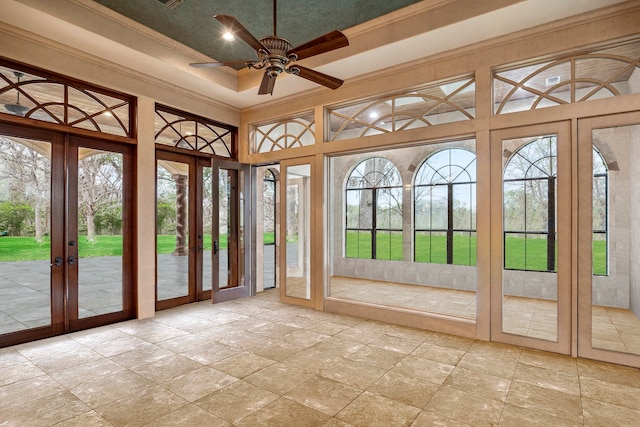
[634,231]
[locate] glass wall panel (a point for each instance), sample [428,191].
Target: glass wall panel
[297,227]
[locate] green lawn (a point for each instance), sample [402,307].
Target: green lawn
[389,247]
[434,249]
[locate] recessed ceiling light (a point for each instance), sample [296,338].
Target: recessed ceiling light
[228,35]
[373,115]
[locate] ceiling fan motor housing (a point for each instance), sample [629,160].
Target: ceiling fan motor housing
[277,58]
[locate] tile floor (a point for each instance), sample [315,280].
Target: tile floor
[256,361]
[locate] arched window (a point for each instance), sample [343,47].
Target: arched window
[529,206]
[445,208]
[374,211]
[600,214]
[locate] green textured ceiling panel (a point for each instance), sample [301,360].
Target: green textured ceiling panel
[191,21]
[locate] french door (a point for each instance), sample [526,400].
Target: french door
[200,234]
[608,272]
[531,237]
[66,240]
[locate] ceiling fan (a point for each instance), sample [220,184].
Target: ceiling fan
[277,55]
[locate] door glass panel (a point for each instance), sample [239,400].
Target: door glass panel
[207,227]
[268,229]
[25,254]
[100,198]
[172,229]
[298,199]
[529,277]
[616,239]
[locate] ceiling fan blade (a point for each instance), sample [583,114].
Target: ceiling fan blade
[267,84]
[318,77]
[222,64]
[236,28]
[328,42]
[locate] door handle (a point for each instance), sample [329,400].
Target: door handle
[72,260]
[215,246]
[57,262]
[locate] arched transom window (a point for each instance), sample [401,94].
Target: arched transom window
[374,211]
[445,208]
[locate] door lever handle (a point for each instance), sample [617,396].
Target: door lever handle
[215,247]
[72,260]
[57,262]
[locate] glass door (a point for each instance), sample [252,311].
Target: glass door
[182,198]
[295,232]
[531,257]
[65,242]
[609,238]
[230,233]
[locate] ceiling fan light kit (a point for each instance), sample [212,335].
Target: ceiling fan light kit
[276,55]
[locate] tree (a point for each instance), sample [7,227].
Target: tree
[13,215]
[99,186]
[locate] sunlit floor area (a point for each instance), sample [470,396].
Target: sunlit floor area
[256,361]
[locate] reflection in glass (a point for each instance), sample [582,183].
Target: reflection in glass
[424,233]
[616,239]
[172,234]
[298,199]
[25,206]
[529,278]
[100,198]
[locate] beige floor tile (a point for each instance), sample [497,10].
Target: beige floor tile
[337,346]
[19,393]
[543,359]
[465,407]
[450,341]
[107,389]
[376,356]
[429,419]
[45,411]
[188,416]
[242,364]
[324,395]
[601,414]
[516,416]
[544,400]
[87,372]
[236,401]
[327,328]
[334,422]
[276,349]
[356,374]
[198,383]
[141,356]
[312,360]
[10,357]
[607,372]
[372,410]
[548,378]
[120,345]
[243,340]
[166,368]
[273,330]
[479,384]
[59,361]
[423,369]
[88,419]
[279,378]
[437,353]
[487,365]
[141,408]
[305,338]
[159,335]
[209,352]
[20,372]
[400,344]
[615,394]
[285,413]
[403,388]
